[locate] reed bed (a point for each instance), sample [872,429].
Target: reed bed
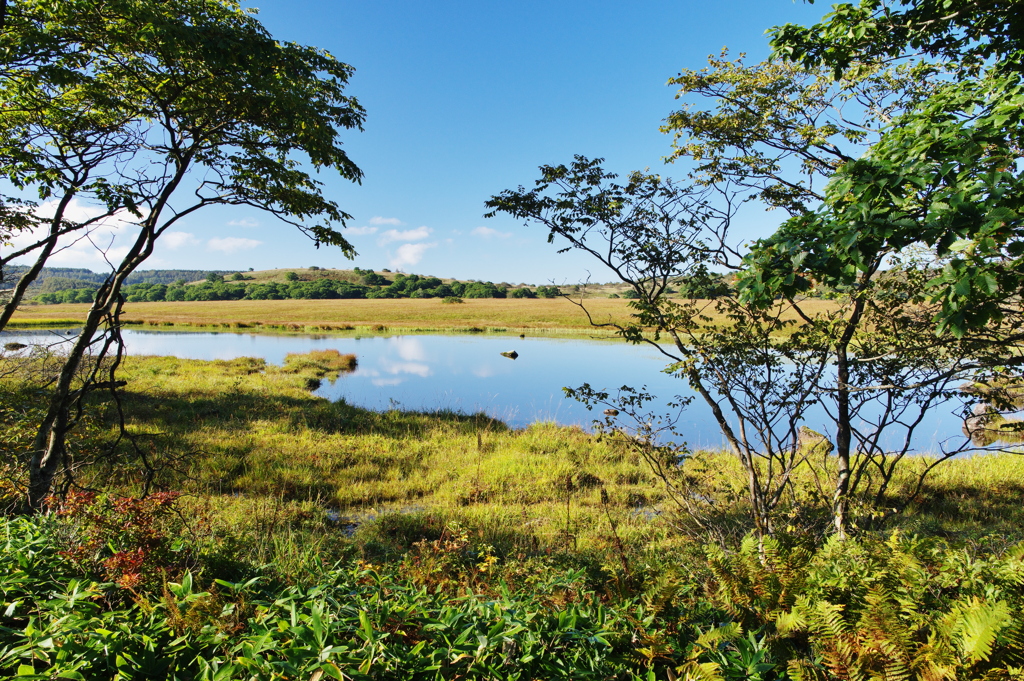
[244,429]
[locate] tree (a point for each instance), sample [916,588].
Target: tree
[946,176]
[775,132]
[970,33]
[946,173]
[936,194]
[150,112]
[871,363]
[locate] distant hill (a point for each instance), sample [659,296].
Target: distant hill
[70,284]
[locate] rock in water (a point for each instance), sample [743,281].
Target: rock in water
[510,355]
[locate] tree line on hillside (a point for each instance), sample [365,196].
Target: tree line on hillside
[372,286]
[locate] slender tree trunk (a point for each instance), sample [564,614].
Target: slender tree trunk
[758,510]
[28,277]
[840,498]
[844,427]
[50,452]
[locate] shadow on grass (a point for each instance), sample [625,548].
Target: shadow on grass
[238,410]
[241,426]
[966,511]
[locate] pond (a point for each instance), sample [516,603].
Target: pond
[467,373]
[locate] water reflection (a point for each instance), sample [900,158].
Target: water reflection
[468,373]
[411,358]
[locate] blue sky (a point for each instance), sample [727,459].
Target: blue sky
[465,99]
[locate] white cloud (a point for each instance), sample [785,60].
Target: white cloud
[176,240]
[105,241]
[488,233]
[386,221]
[409,254]
[232,244]
[360,231]
[417,234]
[244,222]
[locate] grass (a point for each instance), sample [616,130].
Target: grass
[512,316]
[248,428]
[21,322]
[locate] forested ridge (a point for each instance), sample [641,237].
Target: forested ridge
[79,286]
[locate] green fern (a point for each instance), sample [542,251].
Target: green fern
[801,670]
[700,671]
[976,625]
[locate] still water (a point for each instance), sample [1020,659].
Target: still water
[468,374]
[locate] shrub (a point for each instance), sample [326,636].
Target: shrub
[131,542]
[548,291]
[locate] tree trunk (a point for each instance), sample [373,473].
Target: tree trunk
[28,277]
[844,427]
[50,450]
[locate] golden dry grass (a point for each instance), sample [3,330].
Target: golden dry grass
[519,315]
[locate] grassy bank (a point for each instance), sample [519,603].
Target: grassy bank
[539,316]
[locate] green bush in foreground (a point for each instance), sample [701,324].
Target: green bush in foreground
[869,608]
[357,622]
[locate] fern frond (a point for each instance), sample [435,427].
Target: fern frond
[897,670]
[828,620]
[978,626]
[791,622]
[710,639]
[802,670]
[700,671]
[661,593]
